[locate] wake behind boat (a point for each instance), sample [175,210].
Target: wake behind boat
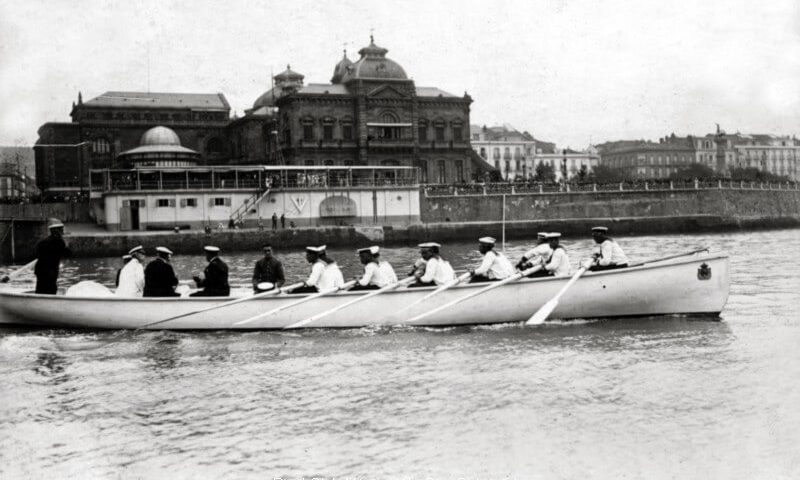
[696,285]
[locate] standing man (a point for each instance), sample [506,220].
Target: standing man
[377,273]
[558,264]
[274,221]
[214,279]
[49,252]
[125,259]
[608,255]
[325,274]
[437,270]
[283,221]
[268,269]
[495,266]
[159,277]
[131,278]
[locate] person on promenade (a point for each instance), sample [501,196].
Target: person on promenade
[49,252]
[214,279]
[125,259]
[495,266]
[269,269]
[283,221]
[538,255]
[131,277]
[159,277]
[377,273]
[437,270]
[607,255]
[274,221]
[325,274]
[558,263]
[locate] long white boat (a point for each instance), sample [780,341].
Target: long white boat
[696,285]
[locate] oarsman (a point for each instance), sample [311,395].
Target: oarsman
[131,277]
[495,265]
[268,270]
[558,264]
[214,279]
[377,273]
[437,270]
[608,255]
[49,252]
[538,255]
[125,259]
[159,277]
[325,274]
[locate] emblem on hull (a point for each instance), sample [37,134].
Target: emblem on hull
[703,272]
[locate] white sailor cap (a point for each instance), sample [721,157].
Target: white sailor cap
[541,235]
[126,257]
[211,248]
[373,249]
[600,229]
[553,235]
[55,225]
[319,249]
[429,245]
[135,249]
[164,250]
[487,240]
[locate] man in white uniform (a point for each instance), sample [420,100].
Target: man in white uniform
[437,270]
[131,277]
[558,264]
[495,266]
[538,255]
[377,273]
[325,274]
[608,255]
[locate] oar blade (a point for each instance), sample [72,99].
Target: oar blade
[541,315]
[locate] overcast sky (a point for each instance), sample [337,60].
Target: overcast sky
[572,72]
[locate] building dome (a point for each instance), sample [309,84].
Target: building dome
[284,82]
[341,69]
[160,136]
[373,64]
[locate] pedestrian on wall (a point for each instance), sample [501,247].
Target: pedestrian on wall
[283,221]
[274,221]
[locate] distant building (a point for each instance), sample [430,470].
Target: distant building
[16,169]
[645,159]
[569,163]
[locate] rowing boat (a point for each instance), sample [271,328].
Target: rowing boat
[697,285]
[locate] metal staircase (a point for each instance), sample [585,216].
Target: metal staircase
[249,203]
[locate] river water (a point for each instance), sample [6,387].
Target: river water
[646,398]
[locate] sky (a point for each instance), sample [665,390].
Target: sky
[574,72]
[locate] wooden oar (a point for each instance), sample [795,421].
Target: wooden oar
[492,286]
[316,317]
[541,315]
[298,302]
[446,286]
[286,289]
[18,271]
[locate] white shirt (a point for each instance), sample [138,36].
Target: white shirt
[325,276]
[542,251]
[495,266]
[388,271]
[559,263]
[131,279]
[378,274]
[439,271]
[611,254]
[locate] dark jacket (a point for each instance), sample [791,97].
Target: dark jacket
[269,271]
[160,279]
[215,283]
[49,252]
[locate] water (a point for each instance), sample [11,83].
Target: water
[653,398]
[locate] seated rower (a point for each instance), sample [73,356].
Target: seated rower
[214,279]
[608,254]
[437,270]
[495,266]
[159,277]
[131,277]
[558,264]
[377,273]
[125,259]
[538,255]
[325,274]
[268,270]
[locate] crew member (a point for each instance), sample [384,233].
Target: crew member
[49,252]
[538,255]
[558,264]
[159,277]
[125,259]
[268,269]
[131,277]
[437,270]
[608,255]
[495,266]
[325,274]
[377,273]
[214,279]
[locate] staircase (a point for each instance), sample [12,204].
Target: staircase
[238,215]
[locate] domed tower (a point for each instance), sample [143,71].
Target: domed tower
[341,69]
[287,81]
[160,147]
[374,65]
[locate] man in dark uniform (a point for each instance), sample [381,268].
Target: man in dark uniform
[214,281]
[49,252]
[268,269]
[159,277]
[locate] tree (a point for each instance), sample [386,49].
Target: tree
[695,170]
[606,174]
[545,173]
[583,174]
[752,174]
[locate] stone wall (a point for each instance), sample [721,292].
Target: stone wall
[66,212]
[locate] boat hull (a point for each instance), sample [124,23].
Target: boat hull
[677,287]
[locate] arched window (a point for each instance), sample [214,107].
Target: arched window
[422,165]
[327,128]
[422,130]
[388,117]
[328,163]
[101,146]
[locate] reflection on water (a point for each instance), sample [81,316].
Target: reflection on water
[666,397]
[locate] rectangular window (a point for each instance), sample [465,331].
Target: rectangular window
[459,171]
[162,202]
[327,132]
[347,132]
[423,133]
[441,173]
[189,202]
[440,134]
[308,132]
[457,132]
[220,201]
